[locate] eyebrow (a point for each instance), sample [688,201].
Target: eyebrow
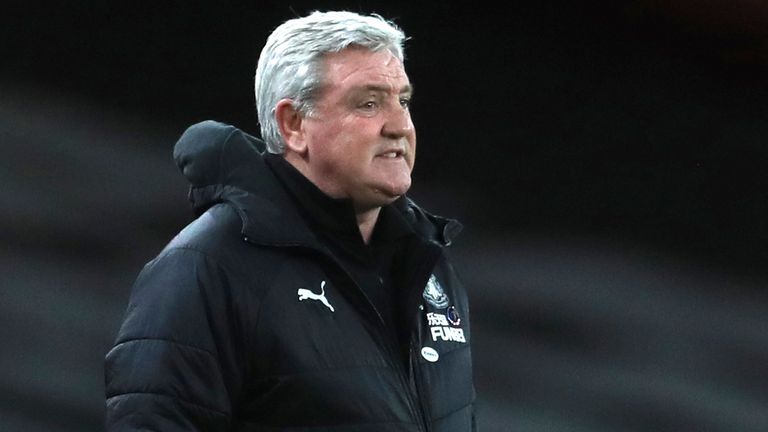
[407,89]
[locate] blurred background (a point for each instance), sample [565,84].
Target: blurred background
[607,158]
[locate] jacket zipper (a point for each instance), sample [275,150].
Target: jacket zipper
[415,403]
[419,407]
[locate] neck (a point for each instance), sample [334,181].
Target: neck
[366,221]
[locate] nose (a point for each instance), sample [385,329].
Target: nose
[398,123]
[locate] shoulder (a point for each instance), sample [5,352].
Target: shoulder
[205,262]
[216,234]
[216,239]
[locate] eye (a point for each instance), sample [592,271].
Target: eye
[405,102]
[369,105]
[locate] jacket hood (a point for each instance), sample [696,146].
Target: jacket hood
[224,164]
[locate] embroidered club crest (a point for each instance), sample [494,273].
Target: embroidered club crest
[453,316]
[434,293]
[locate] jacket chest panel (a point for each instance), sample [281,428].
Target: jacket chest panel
[442,354]
[312,339]
[310,322]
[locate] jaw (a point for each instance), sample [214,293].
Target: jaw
[383,186]
[391,175]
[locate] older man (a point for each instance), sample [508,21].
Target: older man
[310,293]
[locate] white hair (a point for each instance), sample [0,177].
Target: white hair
[290,63]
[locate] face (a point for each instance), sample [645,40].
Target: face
[360,140]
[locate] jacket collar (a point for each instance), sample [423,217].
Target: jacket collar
[224,164]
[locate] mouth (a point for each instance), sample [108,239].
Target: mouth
[392,154]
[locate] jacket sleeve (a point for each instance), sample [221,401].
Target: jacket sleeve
[177,361]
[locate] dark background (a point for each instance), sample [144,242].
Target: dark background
[606,157]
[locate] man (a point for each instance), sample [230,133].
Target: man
[310,293]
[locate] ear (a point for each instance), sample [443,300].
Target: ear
[289,121]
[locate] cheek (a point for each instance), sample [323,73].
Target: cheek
[340,154]
[412,149]
[355,142]
[346,145]
[325,142]
[355,156]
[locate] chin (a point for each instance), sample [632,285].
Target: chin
[378,198]
[395,191]
[380,193]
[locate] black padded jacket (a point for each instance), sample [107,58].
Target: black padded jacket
[247,322]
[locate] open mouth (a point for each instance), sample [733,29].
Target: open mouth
[394,154]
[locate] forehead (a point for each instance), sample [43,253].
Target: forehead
[354,66]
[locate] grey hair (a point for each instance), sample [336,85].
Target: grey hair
[290,62]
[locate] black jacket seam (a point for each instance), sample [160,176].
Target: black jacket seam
[207,255]
[338,425]
[215,410]
[329,369]
[138,339]
[452,412]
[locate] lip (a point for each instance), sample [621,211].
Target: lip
[393,153]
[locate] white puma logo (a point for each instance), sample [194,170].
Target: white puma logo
[307,294]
